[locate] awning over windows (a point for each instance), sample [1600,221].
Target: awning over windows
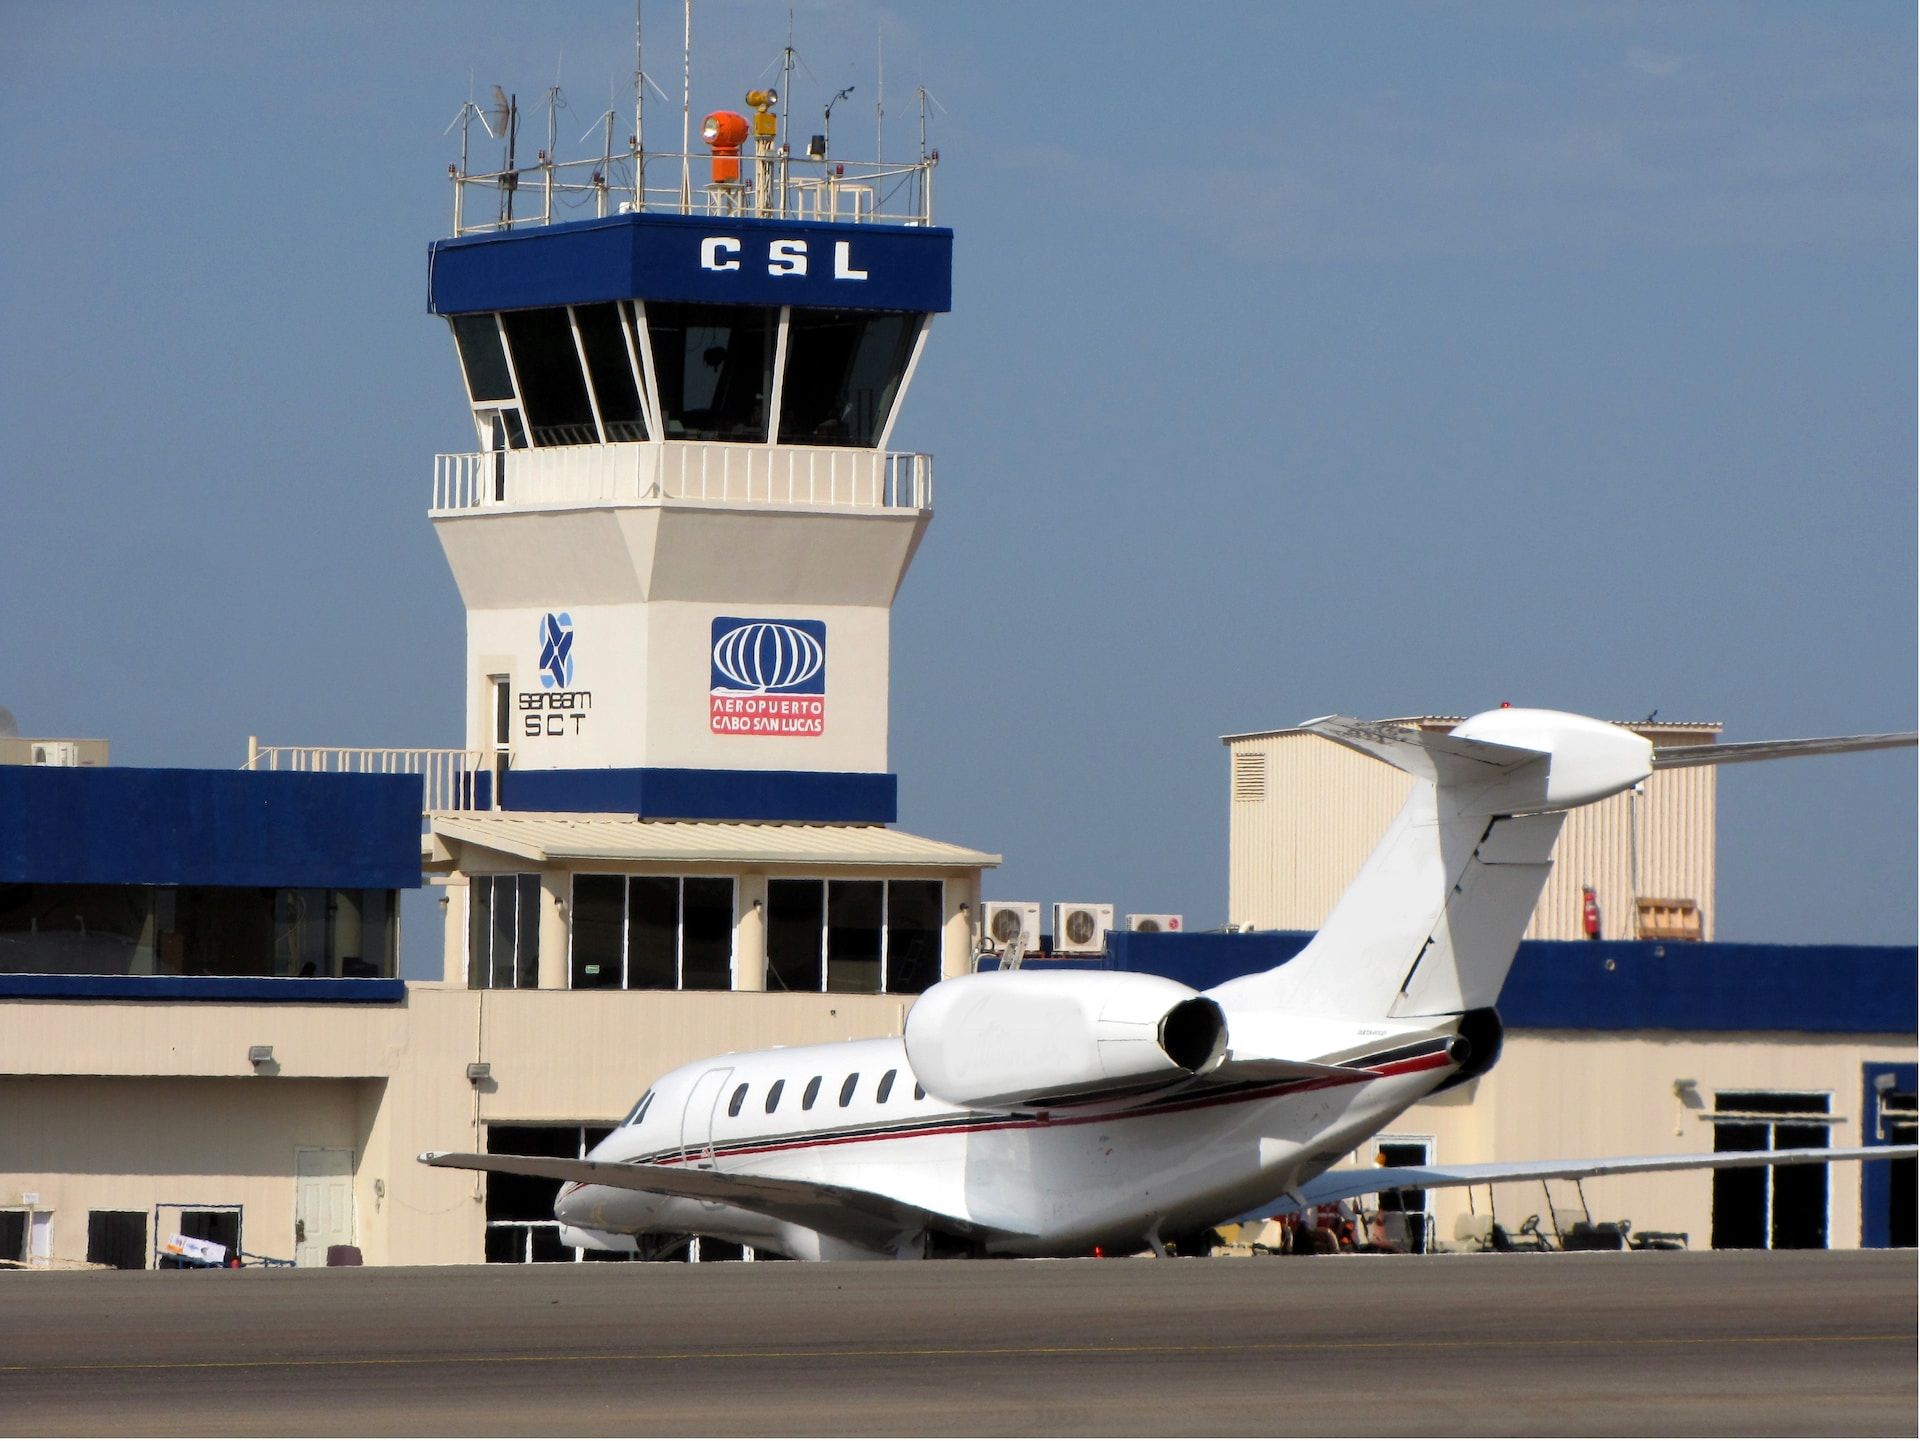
[569,837]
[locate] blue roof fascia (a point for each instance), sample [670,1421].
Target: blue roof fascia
[1612,985]
[123,825]
[271,989]
[715,260]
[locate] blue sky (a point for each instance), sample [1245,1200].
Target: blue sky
[1381,359]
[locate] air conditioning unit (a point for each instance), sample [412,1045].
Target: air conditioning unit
[1080,928]
[1004,921]
[1155,921]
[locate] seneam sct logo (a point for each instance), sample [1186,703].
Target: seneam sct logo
[768,677]
[556,651]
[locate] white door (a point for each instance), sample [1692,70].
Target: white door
[696,1122]
[322,1204]
[40,1239]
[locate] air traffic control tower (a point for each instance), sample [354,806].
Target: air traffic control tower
[681,530]
[680,536]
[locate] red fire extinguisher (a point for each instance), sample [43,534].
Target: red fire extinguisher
[1589,913]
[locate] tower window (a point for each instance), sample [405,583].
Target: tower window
[844,369]
[610,367]
[482,357]
[714,365]
[553,387]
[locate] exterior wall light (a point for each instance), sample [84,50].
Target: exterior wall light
[258,1056]
[478,1071]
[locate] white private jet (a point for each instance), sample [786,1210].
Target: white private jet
[1050,1113]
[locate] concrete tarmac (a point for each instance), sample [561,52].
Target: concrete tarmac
[1806,1343]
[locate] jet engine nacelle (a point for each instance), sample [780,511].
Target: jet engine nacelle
[1039,1038]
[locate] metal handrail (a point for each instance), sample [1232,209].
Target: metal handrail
[447,773]
[550,192]
[716,472]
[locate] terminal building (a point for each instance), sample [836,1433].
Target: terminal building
[670,832]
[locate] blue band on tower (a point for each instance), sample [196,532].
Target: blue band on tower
[712,260]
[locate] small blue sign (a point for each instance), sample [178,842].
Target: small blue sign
[556,650]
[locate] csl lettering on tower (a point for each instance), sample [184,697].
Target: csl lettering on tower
[723,253]
[767,677]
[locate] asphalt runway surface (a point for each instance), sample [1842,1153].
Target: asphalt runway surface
[1808,1343]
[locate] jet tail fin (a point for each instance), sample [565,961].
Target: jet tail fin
[1430,925]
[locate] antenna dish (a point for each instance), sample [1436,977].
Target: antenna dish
[496,119]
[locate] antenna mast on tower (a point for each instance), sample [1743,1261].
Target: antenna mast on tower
[686,111]
[639,112]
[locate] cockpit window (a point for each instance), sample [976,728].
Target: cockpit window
[810,1095]
[846,1088]
[886,1087]
[773,1095]
[639,1111]
[739,1099]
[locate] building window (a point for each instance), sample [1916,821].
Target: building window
[853,936]
[1779,1208]
[196,931]
[520,1224]
[503,932]
[117,1239]
[653,933]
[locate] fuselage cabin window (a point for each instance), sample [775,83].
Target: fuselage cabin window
[810,1095]
[739,1099]
[773,1096]
[854,935]
[886,1088]
[919,1092]
[846,1088]
[657,933]
[503,932]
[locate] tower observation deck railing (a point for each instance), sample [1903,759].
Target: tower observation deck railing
[774,187]
[716,472]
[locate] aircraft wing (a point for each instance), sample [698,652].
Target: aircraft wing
[845,1212]
[1344,1185]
